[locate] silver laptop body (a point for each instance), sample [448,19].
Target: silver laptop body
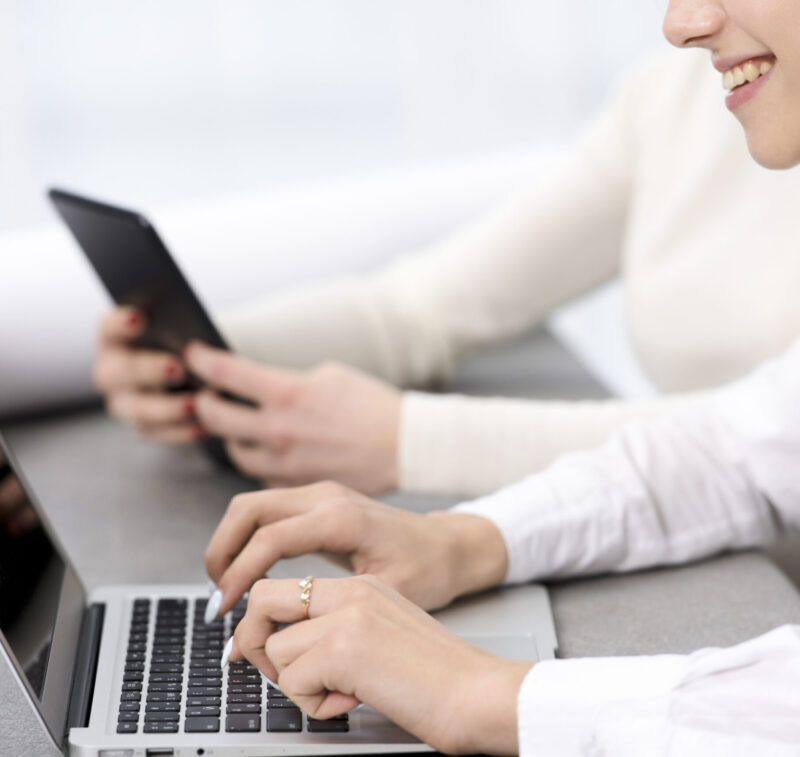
[70,655]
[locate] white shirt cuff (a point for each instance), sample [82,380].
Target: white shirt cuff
[604,706]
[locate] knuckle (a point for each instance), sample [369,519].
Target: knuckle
[259,592]
[273,649]
[362,590]
[239,504]
[333,491]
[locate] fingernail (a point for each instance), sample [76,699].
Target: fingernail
[173,371]
[200,432]
[226,653]
[189,407]
[212,608]
[271,683]
[212,587]
[134,320]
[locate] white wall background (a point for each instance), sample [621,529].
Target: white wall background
[168,101]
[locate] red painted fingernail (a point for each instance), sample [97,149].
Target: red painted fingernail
[173,371]
[190,408]
[200,432]
[135,320]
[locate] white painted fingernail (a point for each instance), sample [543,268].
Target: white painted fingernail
[226,653]
[271,683]
[212,587]
[212,608]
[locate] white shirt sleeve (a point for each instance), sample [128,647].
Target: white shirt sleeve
[724,476]
[737,702]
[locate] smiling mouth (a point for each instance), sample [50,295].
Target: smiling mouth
[746,73]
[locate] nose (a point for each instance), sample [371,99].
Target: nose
[693,23]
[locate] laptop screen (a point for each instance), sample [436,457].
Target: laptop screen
[41,599]
[31,574]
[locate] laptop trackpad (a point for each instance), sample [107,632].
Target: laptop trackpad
[510,646]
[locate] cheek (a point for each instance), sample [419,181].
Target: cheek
[772,127]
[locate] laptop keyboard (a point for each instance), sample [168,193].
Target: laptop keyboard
[181,687]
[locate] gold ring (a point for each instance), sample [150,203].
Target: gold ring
[305,595]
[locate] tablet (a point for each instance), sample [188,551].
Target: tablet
[137,269]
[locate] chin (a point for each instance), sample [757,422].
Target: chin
[773,152]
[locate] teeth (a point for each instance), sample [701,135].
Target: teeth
[735,77]
[751,72]
[727,80]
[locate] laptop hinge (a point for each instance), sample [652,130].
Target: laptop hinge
[85,667]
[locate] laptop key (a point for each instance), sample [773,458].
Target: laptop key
[207,672]
[163,668]
[242,722]
[201,701]
[165,686]
[165,717]
[132,717]
[163,707]
[127,727]
[244,678]
[130,696]
[244,697]
[280,704]
[166,678]
[333,725]
[201,725]
[244,707]
[205,691]
[164,696]
[284,720]
[160,727]
[166,659]
[213,682]
[199,712]
[129,707]
[131,685]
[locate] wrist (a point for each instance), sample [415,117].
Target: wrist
[477,554]
[492,723]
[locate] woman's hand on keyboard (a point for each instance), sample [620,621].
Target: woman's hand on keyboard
[136,382]
[330,422]
[430,559]
[366,643]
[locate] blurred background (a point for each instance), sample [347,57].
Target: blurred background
[433,108]
[164,102]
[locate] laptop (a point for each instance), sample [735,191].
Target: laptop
[132,671]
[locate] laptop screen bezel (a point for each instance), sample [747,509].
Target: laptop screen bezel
[53,705]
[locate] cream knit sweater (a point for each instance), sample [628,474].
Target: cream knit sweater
[660,188]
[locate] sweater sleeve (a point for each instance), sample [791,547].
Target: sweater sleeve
[736,702]
[481,444]
[410,321]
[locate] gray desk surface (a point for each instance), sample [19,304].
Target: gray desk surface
[130,511]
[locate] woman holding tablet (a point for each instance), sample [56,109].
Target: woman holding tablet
[699,253]
[719,477]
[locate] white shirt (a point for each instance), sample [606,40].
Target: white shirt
[660,187]
[725,475]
